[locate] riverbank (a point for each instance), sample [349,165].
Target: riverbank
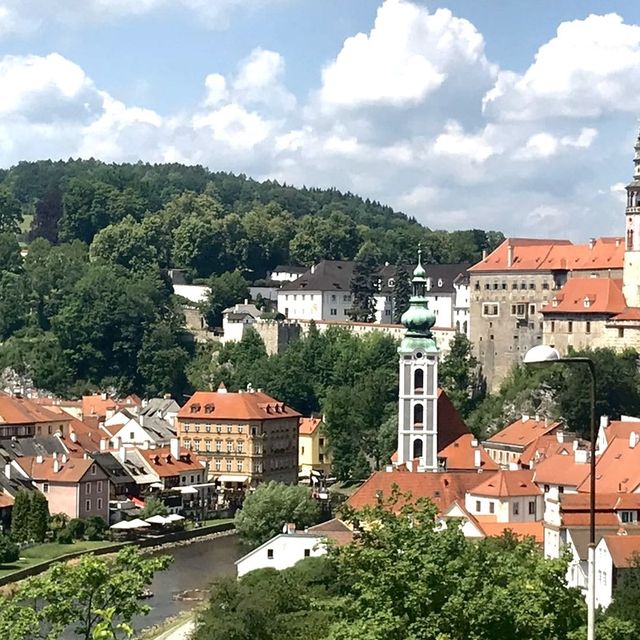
[39,558]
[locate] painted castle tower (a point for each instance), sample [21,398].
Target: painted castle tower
[418,396]
[631,274]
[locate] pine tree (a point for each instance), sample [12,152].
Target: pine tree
[364,283]
[401,293]
[20,517]
[459,374]
[38,516]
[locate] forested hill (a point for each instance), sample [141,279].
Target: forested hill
[211,222]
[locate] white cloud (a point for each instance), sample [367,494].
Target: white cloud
[405,57]
[233,125]
[216,87]
[544,145]
[455,142]
[590,67]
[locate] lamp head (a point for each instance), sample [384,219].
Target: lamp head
[540,354]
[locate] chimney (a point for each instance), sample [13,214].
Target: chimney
[141,420]
[509,255]
[56,465]
[617,242]
[484,254]
[291,527]
[122,455]
[7,470]
[85,456]
[592,243]
[54,455]
[604,422]
[74,436]
[145,445]
[477,458]
[63,458]
[103,395]
[174,448]
[575,445]
[525,417]
[222,388]
[39,459]
[104,444]
[117,442]
[633,439]
[313,269]
[560,436]
[167,396]
[580,456]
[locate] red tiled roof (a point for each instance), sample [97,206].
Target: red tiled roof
[460,455]
[546,447]
[561,469]
[308,426]
[621,429]
[250,405]
[505,484]
[519,529]
[622,549]
[15,410]
[96,405]
[450,423]
[617,468]
[588,295]
[441,488]
[523,432]
[87,437]
[335,530]
[531,254]
[71,471]
[630,313]
[166,466]
[582,519]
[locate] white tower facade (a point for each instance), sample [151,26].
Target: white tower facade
[631,273]
[418,393]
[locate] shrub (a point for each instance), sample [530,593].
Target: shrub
[65,536]
[95,528]
[76,528]
[9,551]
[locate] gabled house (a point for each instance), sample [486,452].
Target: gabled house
[24,418]
[77,487]
[313,454]
[616,554]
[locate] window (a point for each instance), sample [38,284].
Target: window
[489,309]
[546,488]
[45,487]
[570,326]
[87,505]
[492,507]
[503,286]
[219,428]
[514,285]
[87,488]
[301,451]
[207,445]
[560,489]
[99,487]
[240,466]
[186,428]
[621,333]
[240,446]
[532,309]
[229,446]
[191,480]
[588,327]
[523,285]
[208,428]
[218,446]
[626,517]
[495,286]
[477,287]
[321,458]
[545,286]
[333,312]
[519,310]
[307,553]
[229,465]
[553,326]
[418,414]
[516,508]
[270,554]
[345,298]
[532,507]
[240,429]
[229,428]
[321,442]
[197,428]
[132,435]
[532,285]
[333,297]
[99,505]
[418,379]
[196,444]
[217,465]
[478,506]
[93,470]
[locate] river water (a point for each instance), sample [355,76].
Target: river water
[194,566]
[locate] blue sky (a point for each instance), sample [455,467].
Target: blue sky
[512,115]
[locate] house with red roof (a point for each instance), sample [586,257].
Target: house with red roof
[247,437]
[508,446]
[23,418]
[313,447]
[616,554]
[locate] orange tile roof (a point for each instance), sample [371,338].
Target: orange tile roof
[545,447]
[15,410]
[71,471]
[582,519]
[588,295]
[308,426]
[523,432]
[531,254]
[460,456]
[166,466]
[5,501]
[622,549]
[507,484]
[87,437]
[561,469]
[621,429]
[519,529]
[617,468]
[96,405]
[630,313]
[441,488]
[223,405]
[335,530]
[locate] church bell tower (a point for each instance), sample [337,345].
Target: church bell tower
[418,397]
[631,273]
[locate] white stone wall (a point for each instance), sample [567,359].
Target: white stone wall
[301,305]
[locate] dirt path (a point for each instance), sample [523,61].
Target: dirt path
[178,633]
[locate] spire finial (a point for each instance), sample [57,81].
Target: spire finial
[419,253]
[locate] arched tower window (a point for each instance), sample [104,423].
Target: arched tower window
[417,448]
[630,239]
[418,380]
[464,327]
[418,414]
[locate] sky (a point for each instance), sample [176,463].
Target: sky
[509,115]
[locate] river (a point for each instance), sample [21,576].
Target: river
[193,567]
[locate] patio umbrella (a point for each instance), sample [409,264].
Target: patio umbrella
[174,517]
[136,523]
[123,524]
[157,519]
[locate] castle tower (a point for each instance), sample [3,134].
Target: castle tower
[418,397]
[631,273]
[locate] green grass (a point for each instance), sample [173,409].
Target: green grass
[50,551]
[207,523]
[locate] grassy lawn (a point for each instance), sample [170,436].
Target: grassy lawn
[50,551]
[206,523]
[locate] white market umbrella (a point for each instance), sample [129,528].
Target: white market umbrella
[157,519]
[174,517]
[189,490]
[136,523]
[123,524]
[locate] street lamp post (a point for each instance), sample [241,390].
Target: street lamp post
[545,355]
